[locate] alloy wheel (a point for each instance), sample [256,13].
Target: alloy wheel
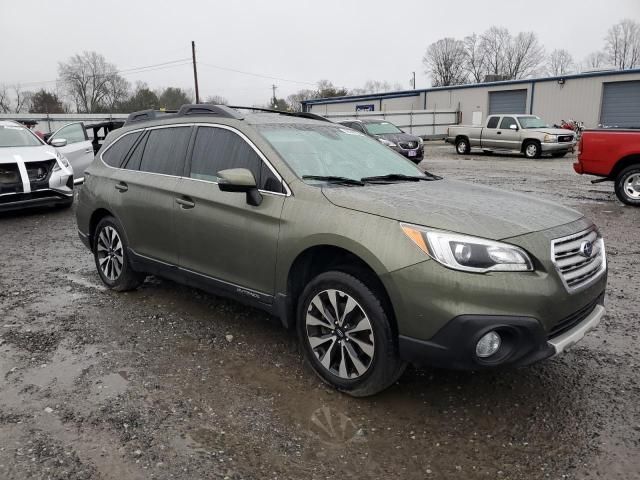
[532,150]
[340,334]
[110,253]
[632,186]
[462,147]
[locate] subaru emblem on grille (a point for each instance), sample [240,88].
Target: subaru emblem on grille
[586,249]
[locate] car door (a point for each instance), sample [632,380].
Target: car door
[510,138]
[225,243]
[78,150]
[143,194]
[490,134]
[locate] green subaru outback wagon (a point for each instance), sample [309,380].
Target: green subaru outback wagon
[374,262]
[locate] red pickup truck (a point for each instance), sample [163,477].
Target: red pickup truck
[613,155]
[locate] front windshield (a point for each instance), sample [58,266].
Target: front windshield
[329,150]
[381,128]
[16,136]
[532,122]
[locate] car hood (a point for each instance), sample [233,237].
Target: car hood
[398,137]
[554,131]
[455,206]
[27,154]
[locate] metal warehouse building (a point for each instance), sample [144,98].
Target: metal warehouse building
[607,98]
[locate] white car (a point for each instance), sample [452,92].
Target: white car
[73,142]
[32,173]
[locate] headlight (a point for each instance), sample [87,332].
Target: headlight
[469,254]
[420,141]
[62,162]
[387,142]
[550,138]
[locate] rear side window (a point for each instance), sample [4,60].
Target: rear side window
[218,149]
[165,151]
[493,122]
[117,152]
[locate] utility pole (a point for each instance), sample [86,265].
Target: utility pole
[274,94]
[414,80]
[195,70]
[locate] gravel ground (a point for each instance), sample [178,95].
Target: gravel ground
[169,382]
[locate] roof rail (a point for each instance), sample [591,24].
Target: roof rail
[208,109]
[144,115]
[223,111]
[309,115]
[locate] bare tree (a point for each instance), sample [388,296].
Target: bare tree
[92,83]
[445,62]
[216,100]
[117,91]
[475,58]
[594,61]
[493,45]
[295,99]
[560,62]
[524,56]
[622,44]
[376,86]
[5,101]
[21,99]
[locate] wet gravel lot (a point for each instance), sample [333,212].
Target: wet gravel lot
[169,382]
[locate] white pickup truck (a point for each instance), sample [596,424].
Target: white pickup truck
[525,134]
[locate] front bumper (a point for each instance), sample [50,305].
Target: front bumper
[558,147]
[524,340]
[38,198]
[415,154]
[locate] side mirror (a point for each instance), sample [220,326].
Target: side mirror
[58,142]
[513,126]
[240,180]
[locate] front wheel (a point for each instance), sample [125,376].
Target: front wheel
[627,185]
[532,150]
[112,260]
[346,336]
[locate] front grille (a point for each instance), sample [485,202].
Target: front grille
[10,181]
[565,138]
[408,145]
[574,319]
[579,258]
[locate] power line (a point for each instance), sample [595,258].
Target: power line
[256,74]
[127,71]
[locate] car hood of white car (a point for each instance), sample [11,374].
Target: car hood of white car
[26,154]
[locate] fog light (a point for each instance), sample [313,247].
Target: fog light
[488,345]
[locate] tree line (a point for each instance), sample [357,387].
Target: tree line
[497,54]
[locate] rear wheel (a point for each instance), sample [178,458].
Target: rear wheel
[346,335]
[110,254]
[627,185]
[462,146]
[532,149]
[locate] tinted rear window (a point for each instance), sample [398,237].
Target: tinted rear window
[165,150]
[493,122]
[117,152]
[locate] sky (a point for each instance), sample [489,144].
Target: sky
[296,41]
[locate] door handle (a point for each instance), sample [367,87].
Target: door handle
[185,202]
[88,150]
[499,133]
[122,187]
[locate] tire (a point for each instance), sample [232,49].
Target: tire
[532,149]
[462,146]
[627,185]
[357,355]
[558,155]
[111,258]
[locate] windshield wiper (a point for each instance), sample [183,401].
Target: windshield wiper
[401,177]
[334,179]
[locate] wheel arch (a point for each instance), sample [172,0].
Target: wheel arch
[529,140]
[317,259]
[623,163]
[96,216]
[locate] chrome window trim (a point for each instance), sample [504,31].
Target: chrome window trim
[212,125]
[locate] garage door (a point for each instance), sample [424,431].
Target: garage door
[508,101]
[621,105]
